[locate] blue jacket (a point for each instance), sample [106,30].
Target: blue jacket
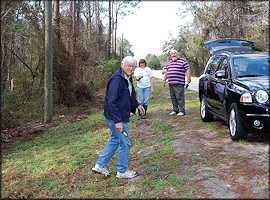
[118,101]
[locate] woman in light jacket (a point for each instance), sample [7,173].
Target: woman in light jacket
[145,84]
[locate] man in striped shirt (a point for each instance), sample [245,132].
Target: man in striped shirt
[176,70]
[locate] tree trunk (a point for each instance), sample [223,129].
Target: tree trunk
[115,34]
[79,50]
[48,74]
[98,26]
[73,39]
[89,21]
[1,77]
[109,32]
[56,19]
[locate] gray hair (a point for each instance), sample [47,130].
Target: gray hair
[174,51]
[129,59]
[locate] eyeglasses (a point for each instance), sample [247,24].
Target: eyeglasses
[130,66]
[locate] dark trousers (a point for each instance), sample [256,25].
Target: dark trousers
[177,93]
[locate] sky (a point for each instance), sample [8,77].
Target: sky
[150,26]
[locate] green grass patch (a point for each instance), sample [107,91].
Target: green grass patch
[213,126]
[240,166]
[242,141]
[194,105]
[175,163]
[167,149]
[57,163]
[222,133]
[240,157]
[168,138]
[161,126]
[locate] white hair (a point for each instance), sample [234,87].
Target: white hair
[174,51]
[129,59]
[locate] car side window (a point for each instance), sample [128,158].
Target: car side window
[213,65]
[224,65]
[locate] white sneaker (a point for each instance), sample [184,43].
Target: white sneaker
[172,113]
[180,114]
[131,172]
[127,174]
[101,170]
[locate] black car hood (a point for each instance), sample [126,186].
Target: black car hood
[254,83]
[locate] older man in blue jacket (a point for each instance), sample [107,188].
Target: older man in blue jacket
[120,100]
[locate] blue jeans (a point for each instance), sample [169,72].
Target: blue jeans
[177,93]
[118,141]
[143,95]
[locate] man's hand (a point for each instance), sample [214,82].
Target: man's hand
[119,126]
[164,83]
[138,77]
[141,110]
[188,76]
[188,80]
[165,78]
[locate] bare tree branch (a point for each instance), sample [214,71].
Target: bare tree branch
[19,59]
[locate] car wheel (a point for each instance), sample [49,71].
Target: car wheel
[237,130]
[205,115]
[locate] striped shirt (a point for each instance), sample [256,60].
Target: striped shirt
[176,71]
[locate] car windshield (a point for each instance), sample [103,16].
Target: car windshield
[251,66]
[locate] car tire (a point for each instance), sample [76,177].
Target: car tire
[237,130]
[205,115]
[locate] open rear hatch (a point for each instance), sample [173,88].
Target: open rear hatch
[229,44]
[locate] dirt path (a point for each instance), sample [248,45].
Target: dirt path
[219,167]
[210,163]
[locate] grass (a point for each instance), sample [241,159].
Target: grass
[160,126]
[242,141]
[213,126]
[240,157]
[57,163]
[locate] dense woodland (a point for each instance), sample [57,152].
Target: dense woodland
[86,51]
[248,20]
[87,48]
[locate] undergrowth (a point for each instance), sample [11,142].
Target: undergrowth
[57,163]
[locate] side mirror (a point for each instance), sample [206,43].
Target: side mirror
[220,74]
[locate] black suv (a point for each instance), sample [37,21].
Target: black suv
[235,87]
